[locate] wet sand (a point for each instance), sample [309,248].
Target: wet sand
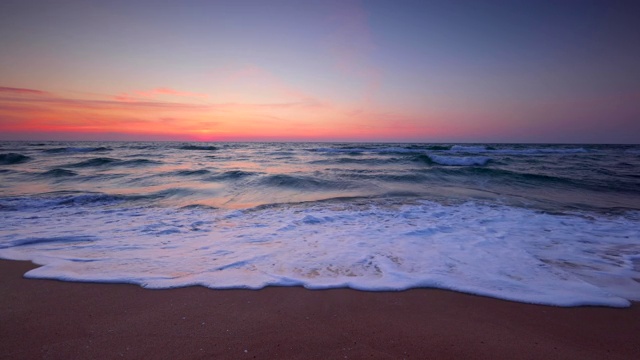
[63,320]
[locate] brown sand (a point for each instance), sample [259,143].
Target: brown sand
[62,320]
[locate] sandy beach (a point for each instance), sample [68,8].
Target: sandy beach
[63,320]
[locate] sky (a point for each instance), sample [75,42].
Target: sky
[294,70]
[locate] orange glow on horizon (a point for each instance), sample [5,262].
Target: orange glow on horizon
[303,119]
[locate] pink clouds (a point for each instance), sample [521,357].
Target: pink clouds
[295,116]
[21,91]
[291,114]
[154,93]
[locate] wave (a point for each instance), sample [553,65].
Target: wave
[45,240]
[77,150]
[231,175]
[142,147]
[95,162]
[397,150]
[432,159]
[519,176]
[427,147]
[509,178]
[198,207]
[283,153]
[539,151]
[423,159]
[350,151]
[99,199]
[63,199]
[100,162]
[300,182]
[171,193]
[437,147]
[469,148]
[516,151]
[360,160]
[85,199]
[460,161]
[541,180]
[198,147]
[13,158]
[402,178]
[57,173]
[138,162]
[471,172]
[191,172]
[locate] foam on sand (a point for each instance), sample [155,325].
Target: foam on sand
[499,251]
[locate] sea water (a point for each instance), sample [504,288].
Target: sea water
[545,224]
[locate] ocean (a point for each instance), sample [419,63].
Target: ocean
[544,224]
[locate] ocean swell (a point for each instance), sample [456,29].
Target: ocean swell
[13,158]
[460,160]
[63,150]
[104,162]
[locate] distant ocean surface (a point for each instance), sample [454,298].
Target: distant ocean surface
[546,224]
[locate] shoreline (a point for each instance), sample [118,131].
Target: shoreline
[55,319]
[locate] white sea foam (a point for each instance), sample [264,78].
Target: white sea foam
[499,251]
[459,160]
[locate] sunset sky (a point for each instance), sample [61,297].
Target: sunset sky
[296,70]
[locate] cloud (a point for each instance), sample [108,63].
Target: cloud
[157,92]
[168,91]
[296,116]
[8,101]
[53,113]
[21,91]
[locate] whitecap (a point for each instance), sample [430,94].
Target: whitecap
[460,161]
